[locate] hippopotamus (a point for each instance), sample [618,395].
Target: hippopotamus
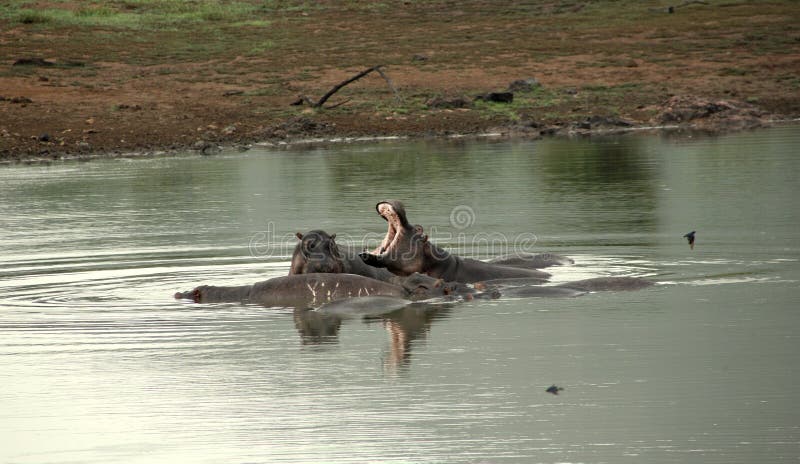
[312,290]
[512,282]
[608,284]
[303,290]
[530,288]
[597,284]
[532,261]
[539,291]
[318,251]
[406,250]
[322,272]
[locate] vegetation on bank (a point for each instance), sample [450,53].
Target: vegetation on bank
[205,29]
[241,62]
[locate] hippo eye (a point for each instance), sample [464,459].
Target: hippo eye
[309,245]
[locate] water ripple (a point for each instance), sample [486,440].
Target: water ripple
[100,359]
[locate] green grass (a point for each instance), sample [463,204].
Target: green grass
[524,102]
[255,27]
[141,14]
[260,47]
[508,111]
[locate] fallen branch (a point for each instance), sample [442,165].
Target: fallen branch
[318,104]
[390,84]
[339,104]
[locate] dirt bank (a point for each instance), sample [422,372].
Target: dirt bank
[104,87]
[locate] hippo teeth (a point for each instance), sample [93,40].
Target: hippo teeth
[391,232]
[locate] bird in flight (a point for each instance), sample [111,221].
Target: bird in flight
[554,389]
[690,238]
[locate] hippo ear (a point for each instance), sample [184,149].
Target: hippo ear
[299,236]
[424,238]
[418,229]
[333,236]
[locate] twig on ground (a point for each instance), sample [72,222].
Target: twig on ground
[318,104]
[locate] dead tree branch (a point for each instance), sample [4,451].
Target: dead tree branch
[339,104]
[337,87]
[390,84]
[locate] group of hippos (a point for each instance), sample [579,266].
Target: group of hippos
[405,267]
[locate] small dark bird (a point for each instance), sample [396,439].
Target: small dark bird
[690,238]
[554,389]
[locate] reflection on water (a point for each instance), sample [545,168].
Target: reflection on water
[404,327]
[611,177]
[315,328]
[409,327]
[100,364]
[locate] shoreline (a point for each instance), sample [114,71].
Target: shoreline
[686,130]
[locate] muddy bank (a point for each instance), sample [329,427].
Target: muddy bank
[685,113]
[120,82]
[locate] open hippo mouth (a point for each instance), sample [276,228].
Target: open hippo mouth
[394,213]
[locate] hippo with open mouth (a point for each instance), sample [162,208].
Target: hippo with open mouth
[318,252]
[406,250]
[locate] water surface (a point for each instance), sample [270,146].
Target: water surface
[100,364]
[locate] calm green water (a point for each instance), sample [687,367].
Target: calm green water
[99,364]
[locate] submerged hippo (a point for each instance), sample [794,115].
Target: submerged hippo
[406,250]
[312,290]
[305,290]
[539,291]
[531,287]
[608,284]
[531,261]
